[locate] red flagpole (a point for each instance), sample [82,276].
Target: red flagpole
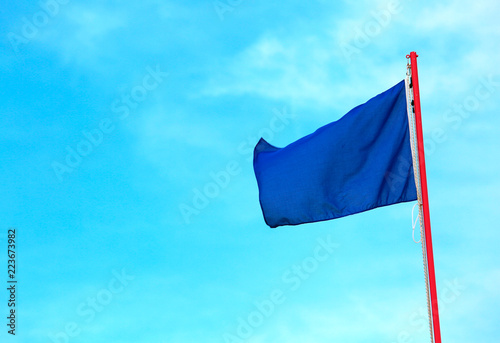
[425,198]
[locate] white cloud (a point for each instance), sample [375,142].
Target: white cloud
[276,69]
[308,68]
[81,33]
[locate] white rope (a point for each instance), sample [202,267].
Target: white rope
[416,172]
[414,223]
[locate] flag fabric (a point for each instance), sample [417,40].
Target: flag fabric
[357,163]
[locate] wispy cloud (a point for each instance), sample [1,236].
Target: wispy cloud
[225,78]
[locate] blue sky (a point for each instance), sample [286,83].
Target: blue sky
[173,95]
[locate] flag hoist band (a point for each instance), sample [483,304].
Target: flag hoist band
[418,155]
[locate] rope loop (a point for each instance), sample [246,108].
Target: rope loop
[414,223]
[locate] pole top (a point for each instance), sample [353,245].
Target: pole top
[411,54]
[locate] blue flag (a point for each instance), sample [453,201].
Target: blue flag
[357,163]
